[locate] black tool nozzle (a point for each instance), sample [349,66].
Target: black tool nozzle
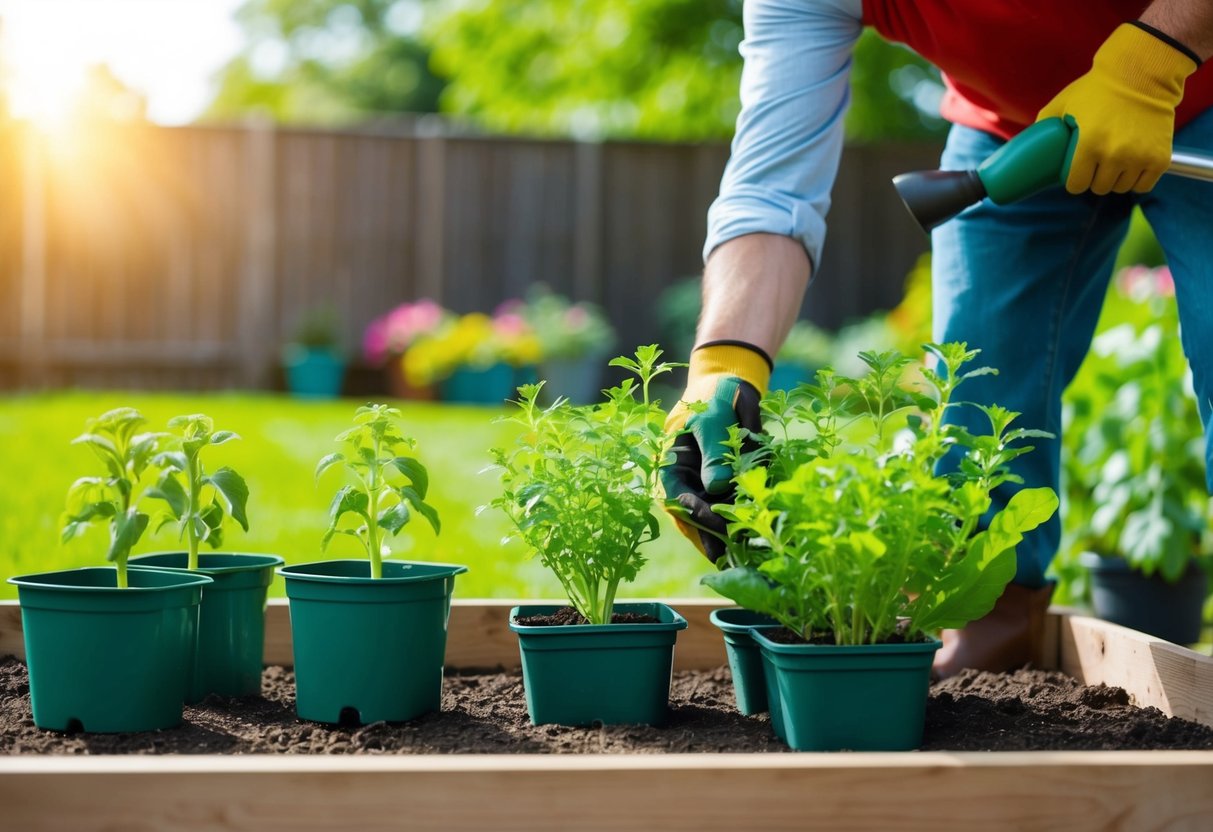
[934,196]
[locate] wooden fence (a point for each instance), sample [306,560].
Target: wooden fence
[144,256]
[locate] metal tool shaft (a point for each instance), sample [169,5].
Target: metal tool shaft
[1190,164]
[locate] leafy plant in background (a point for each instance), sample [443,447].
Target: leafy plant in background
[1134,453]
[185,486]
[843,531]
[578,486]
[387,484]
[125,452]
[807,346]
[565,330]
[318,329]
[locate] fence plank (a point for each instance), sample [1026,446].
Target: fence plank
[184,257]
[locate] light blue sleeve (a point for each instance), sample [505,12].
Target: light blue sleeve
[794,92]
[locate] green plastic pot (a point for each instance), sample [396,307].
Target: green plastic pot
[745,659]
[869,697]
[612,674]
[103,659]
[368,649]
[231,620]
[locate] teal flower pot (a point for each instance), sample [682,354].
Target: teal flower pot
[607,673]
[491,385]
[745,659]
[788,376]
[103,659]
[313,373]
[774,704]
[1126,596]
[367,649]
[870,697]
[231,619]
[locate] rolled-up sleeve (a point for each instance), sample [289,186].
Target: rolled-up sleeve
[794,93]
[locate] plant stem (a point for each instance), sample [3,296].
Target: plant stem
[194,476]
[121,565]
[372,525]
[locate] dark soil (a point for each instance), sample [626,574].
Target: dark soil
[785,636]
[566,616]
[486,713]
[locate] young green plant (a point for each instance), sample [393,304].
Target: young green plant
[125,452]
[578,486]
[387,484]
[843,530]
[185,486]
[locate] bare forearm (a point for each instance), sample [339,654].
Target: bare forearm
[1188,21]
[752,290]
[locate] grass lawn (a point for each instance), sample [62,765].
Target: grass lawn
[282,439]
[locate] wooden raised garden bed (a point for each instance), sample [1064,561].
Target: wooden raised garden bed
[1123,790]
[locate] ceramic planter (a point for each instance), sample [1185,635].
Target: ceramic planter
[231,619]
[103,659]
[313,373]
[869,697]
[745,658]
[368,649]
[787,376]
[605,673]
[1123,595]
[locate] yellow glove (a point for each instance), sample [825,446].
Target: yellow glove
[1124,111]
[729,377]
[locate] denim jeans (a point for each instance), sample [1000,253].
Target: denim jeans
[1025,283]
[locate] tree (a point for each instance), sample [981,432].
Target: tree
[328,61]
[666,69]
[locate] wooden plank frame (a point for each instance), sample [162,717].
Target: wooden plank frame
[934,791]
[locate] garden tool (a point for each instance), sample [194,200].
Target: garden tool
[1032,161]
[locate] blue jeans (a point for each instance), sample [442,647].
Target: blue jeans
[1025,283]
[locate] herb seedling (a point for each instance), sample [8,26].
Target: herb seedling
[578,487]
[387,486]
[184,485]
[843,530]
[126,452]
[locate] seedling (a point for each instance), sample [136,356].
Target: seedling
[842,529]
[125,452]
[387,484]
[578,487]
[184,485]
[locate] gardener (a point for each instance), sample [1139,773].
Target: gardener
[1022,282]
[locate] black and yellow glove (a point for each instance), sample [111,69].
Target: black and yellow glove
[1124,111]
[729,378]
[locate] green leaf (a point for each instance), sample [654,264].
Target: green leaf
[128,528]
[348,499]
[169,489]
[743,586]
[394,518]
[410,495]
[328,462]
[415,471]
[235,493]
[170,460]
[220,437]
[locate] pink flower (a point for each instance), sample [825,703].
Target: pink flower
[1164,283]
[510,324]
[576,317]
[375,341]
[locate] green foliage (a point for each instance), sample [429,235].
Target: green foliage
[578,486]
[125,453]
[338,60]
[662,69]
[1134,457]
[199,502]
[841,528]
[807,346]
[387,485]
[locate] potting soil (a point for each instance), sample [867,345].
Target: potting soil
[485,713]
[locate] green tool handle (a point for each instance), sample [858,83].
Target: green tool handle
[1040,157]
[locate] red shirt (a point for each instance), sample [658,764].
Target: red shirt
[1003,60]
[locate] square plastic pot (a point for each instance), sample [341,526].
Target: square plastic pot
[231,619]
[612,674]
[1126,596]
[745,658]
[103,659]
[870,697]
[368,649]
